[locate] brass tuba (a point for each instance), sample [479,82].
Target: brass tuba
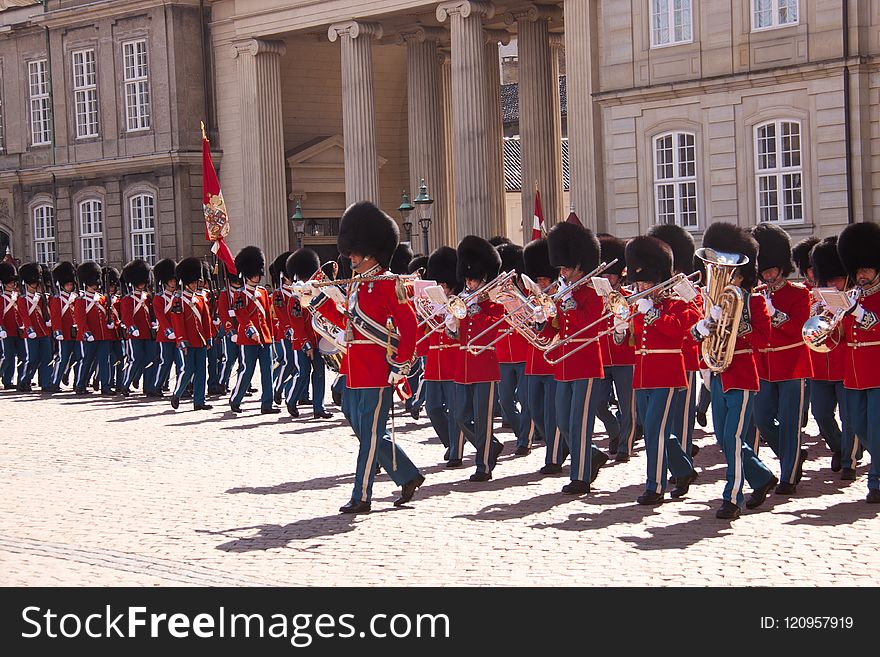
[718,348]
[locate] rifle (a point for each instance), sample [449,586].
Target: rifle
[224,277]
[150,293]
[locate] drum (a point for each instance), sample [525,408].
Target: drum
[331,353]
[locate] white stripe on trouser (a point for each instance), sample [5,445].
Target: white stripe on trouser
[737,457]
[690,379]
[489,425]
[240,377]
[632,422]
[156,382]
[27,359]
[369,466]
[54,369]
[282,367]
[797,450]
[582,438]
[129,365]
[659,472]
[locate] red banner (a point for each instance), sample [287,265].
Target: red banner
[216,217]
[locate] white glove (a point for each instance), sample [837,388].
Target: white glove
[451,322]
[395,377]
[703,329]
[154,325]
[59,336]
[231,313]
[770,307]
[134,332]
[644,305]
[234,338]
[334,293]
[111,325]
[540,317]
[3,334]
[620,325]
[715,313]
[858,313]
[31,333]
[216,322]
[49,323]
[89,337]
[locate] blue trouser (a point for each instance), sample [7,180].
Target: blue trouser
[730,415]
[684,413]
[141,364]
[576,403]
[440,408]
[309,369]
[39,354]
[661,444]
[118,358]
[621,428]
[69,352]
[167,352]
[96,355]
[369,409]
[863,407]
[825,396]
[416,383]
[214,353]
[232,355]
[541,393]
[512,388]
[12,348]
[474,403]
[286,369]
[195,364]
[251,353]
[779,406]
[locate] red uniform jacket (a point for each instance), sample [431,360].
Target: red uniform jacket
[482,367]
[193,323]
[512,348]
[370,305]
[442,356]
[614,354]
[659,335]
[224,311]
[9,310]
[90,311]
[30,313]
[537,365]
[304,336]
[61,310]
[281,305]
[211,305]
[135,311]
[690,348]
[162,304]
[255,312]
[862,369]
[584,308]
[787,356]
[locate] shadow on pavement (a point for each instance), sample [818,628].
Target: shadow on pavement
[280,536]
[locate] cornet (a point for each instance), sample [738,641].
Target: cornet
[458,305]
[823,331]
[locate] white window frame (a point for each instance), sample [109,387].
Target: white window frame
[670,12]
[45,249]
[91,229]
[136,75]
[40,102]
[142,221]
[677,181]
[774,15]
[85,92]
[779,172]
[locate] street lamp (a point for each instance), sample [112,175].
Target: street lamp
[424,203]
[405,209]
[299,224]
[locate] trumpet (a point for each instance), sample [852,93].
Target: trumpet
[459,305]
[823,331]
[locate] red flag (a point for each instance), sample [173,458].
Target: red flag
[573,218]
[216,218]
[538,220]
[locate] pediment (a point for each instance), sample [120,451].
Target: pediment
[320,152]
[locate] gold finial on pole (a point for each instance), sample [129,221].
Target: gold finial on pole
[204,136]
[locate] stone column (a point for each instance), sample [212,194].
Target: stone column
[470,131]
[358,109]
[427,150]
[264,218]
[497,206]
[450,227]
[585,143]
[557,44]
[541,157]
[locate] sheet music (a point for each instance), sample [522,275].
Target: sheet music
[685,290]
[530,285]
[601,285]
[833,298]
[435,294]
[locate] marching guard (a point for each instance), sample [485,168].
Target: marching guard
[10,338]
[95,329]
[136,316]
[61,312]
[37,328]
[191,319]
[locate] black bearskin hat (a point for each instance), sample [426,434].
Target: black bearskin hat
[648,259]
[477,259]
[730,238]
[8,272]
[89,273]
[344,265]
[367,230]
[188,270]
[136,272]
[110,276]
[417,263]
[400,259]
[573,246]
[681,242]
[278,268]
[46,273]
[800,253]
[859,247]
[825,261]
[30,273]
[536,260]
[442,266]
[774,248]
[250,262]
[302,264]
[511,257]
[163,271]
[498,240]
[64,273]
[611,247]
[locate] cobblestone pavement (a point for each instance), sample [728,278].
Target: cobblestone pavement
[103,491]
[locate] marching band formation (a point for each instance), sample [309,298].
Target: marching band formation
[546,336]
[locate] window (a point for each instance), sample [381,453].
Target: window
[85,92]
[767,14]
[671,22]
[41,109]
[91,230]
[44,235]
[137,85]
[675,179]
[143,227]
[778,170]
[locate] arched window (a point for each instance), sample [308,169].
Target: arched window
[675,179]
[44,234]
[142,212]
[91,230]
[778,172]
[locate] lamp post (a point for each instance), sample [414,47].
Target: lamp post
[299,224]
[405,209]
[424,204]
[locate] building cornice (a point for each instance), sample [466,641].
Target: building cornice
[102,9]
